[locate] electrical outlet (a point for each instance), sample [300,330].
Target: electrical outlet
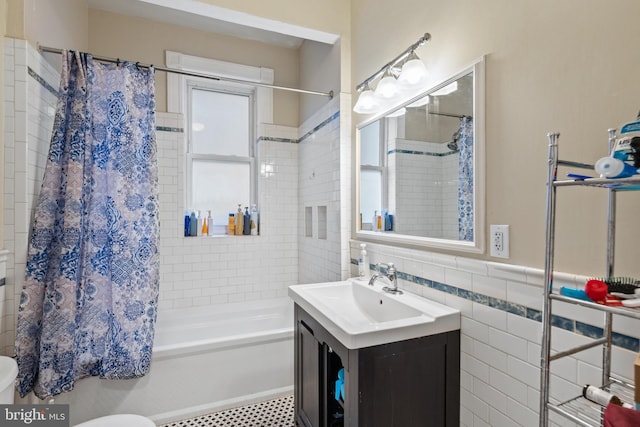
[499,241]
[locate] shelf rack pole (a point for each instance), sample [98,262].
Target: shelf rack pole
[545,356]
[611,246]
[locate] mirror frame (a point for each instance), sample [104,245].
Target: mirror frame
[478,243]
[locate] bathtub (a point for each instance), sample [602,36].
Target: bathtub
[204,359]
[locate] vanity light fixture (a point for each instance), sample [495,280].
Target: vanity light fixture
[367,102]
[413,70]
[407,67]
[387,86]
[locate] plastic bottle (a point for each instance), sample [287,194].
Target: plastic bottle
[209,224]
[363,262]
[246,222]
[611,167]
[254,220]
[231,225]
[205,226]
[193,224]
[239,221]
[200,223]
[374,221]
[187,227]
[602,397]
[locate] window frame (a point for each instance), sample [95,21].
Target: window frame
[177,103]
[209,85]
[382,168]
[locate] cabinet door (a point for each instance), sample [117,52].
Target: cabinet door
[308,379]
[404,385]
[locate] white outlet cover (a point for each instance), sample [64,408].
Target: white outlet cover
[499,241]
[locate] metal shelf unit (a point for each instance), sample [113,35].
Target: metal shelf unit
[580,410]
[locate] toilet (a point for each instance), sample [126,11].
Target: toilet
[9,373]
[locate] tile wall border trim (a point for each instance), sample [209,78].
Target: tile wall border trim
[322,124]
[571,325]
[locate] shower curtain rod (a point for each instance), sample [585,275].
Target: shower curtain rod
[458,116]
[189,73]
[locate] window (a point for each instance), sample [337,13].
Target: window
[371,172]
[220,154]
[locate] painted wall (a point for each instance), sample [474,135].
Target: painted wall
[57,23]
[548,69]
[319,71]
[138,39]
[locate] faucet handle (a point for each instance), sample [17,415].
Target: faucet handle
[389,266]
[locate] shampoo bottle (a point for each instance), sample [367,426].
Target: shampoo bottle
[205,226]
[187,227]
[363,262]
[246,222]
[239,221]
[200,223]
[254,220]
[231,225]
[193,224]
[209,224]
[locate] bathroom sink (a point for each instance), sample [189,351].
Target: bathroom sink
[359,315]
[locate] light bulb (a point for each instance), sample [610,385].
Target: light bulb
[387,86]
[413,71]
[367,102]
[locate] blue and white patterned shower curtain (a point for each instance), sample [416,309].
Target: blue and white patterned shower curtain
[465,180]
[89,300]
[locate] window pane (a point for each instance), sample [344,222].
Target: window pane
[219,123]
[370,194]
[220,186]
[370,144]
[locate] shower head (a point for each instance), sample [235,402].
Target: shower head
[453,144]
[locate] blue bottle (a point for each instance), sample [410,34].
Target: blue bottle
[193,224]
[187,226]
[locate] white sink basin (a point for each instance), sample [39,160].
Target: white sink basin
[359,315]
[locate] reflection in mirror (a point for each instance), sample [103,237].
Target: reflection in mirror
[417,168]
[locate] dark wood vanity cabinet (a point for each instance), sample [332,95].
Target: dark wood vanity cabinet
[412,383]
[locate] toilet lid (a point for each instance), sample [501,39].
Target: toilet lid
[120,420]
[8,371]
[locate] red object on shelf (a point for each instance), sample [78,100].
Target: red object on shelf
[596,290]
[617,416]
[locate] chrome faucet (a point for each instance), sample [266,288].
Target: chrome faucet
[390,275]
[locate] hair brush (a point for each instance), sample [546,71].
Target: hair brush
[621,285]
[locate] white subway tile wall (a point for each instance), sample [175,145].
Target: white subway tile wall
[322,255]
[430,170]
[30,101]
[213,270]
[502,332]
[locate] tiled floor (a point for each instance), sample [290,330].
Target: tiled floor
[270,413]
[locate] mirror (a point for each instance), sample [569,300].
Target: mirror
[420,168]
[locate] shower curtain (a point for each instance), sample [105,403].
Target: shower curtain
[89,300]
[465,180]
